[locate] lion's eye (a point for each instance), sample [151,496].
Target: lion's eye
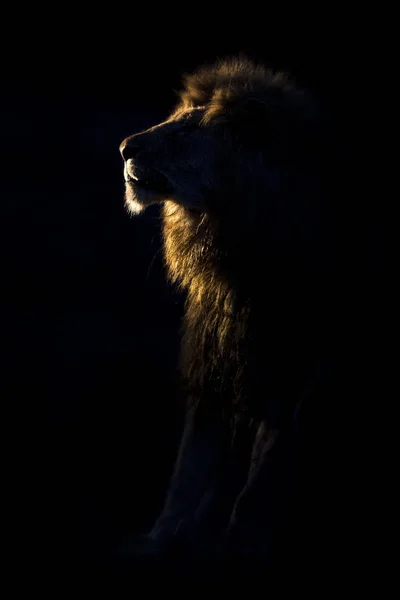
[187,128]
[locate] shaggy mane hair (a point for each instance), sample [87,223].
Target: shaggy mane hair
[254,268]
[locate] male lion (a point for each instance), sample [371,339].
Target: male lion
[248,234]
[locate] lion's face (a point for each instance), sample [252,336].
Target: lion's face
[174,160]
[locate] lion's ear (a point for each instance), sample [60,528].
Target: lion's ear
[251,119]
[254,112]
[277,121]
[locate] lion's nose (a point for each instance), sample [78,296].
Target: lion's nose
[129,149]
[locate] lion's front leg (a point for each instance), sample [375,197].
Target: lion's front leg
[194,503]
[184,525]
[261,509]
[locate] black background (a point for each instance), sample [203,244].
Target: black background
[90,325]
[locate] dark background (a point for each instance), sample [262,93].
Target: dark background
[90,325]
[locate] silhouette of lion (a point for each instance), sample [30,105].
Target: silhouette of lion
[240,167]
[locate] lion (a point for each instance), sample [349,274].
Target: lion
[239,168]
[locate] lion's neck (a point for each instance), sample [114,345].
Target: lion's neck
[236,323]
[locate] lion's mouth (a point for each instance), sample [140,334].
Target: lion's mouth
[153,181]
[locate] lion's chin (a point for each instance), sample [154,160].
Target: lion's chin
[137,198]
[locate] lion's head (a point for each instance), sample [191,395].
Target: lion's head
[236,164]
